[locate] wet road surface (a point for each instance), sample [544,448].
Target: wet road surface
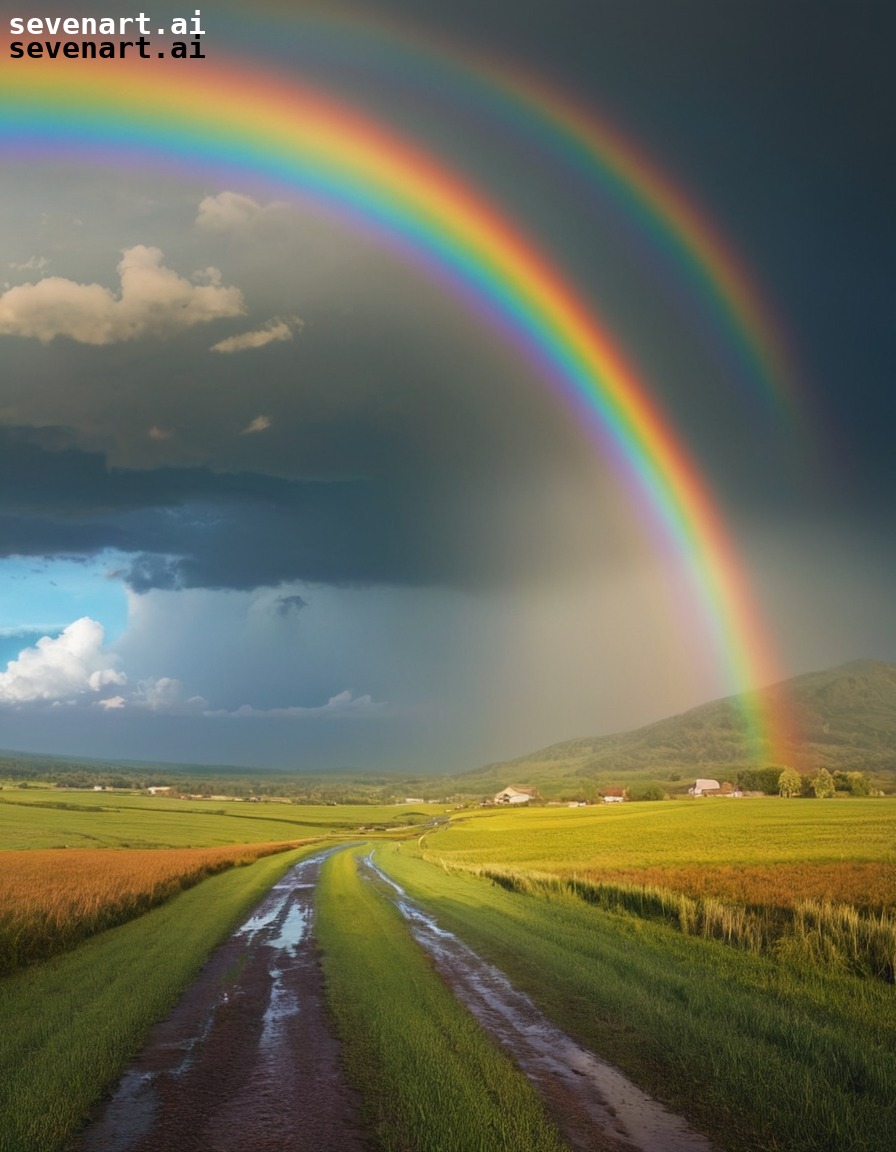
[593,1104]
[247,1061]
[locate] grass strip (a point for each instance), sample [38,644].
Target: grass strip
[431,1080]
[818,932]
[760,1053]
[69,1026]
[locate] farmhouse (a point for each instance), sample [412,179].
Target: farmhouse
[614,796]
[706,788]
[515,796]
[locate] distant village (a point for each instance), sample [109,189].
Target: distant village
[511,795]
[507,796]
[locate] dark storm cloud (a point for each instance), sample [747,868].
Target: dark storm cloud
[192,527]
[777,119]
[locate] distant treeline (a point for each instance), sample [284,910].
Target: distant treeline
[200,780]
[787,782]
[358,788]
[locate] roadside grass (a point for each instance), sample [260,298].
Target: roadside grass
[817,932]
[69,1026]
[761,1053]
[429,1077]
[55,818]
[52,899]
[813,880]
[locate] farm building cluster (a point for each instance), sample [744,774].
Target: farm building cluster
[714,788]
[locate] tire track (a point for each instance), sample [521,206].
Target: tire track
[248,1058]
[593,1104]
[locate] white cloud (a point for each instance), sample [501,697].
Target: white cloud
[227,212]
[153,300]
[33,264]
[342,706]
[62,668]
[234,212]
[160,694]
[210,275]
[273,331]
[166,694]
[259,424]
[75,667]
[112,704]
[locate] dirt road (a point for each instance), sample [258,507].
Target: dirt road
[247,1061]
[593,1104]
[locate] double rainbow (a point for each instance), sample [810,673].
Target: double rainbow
[487,98]
[242,123]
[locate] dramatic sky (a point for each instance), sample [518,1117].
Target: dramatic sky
[271,495]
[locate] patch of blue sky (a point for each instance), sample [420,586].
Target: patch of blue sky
[40,597]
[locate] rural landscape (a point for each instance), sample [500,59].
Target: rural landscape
[447,635]
[729,956]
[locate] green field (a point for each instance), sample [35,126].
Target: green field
[814,879]
[686,832]
[781,1050]
[53,818]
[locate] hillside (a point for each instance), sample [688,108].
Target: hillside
[847,716]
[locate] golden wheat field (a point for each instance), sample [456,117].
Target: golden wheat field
[865,885]
[52,899]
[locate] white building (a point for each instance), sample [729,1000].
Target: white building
[515,796]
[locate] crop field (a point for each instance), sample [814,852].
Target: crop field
[705,867]
[53,818]
[863,884]
[75,863]
[774,853]
[51,899]
[678,834]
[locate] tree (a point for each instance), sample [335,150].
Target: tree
[790,783]
[856,783]
[647,791]
[822,784]
[859,784]
[759,780]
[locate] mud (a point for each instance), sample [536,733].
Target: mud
[248,1059]
[593,1104]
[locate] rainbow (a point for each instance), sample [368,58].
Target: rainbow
[719,289]
[242,123]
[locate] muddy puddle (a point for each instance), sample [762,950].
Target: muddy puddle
[593,1104]
[247,1061]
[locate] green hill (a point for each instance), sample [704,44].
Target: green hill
[847,717]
